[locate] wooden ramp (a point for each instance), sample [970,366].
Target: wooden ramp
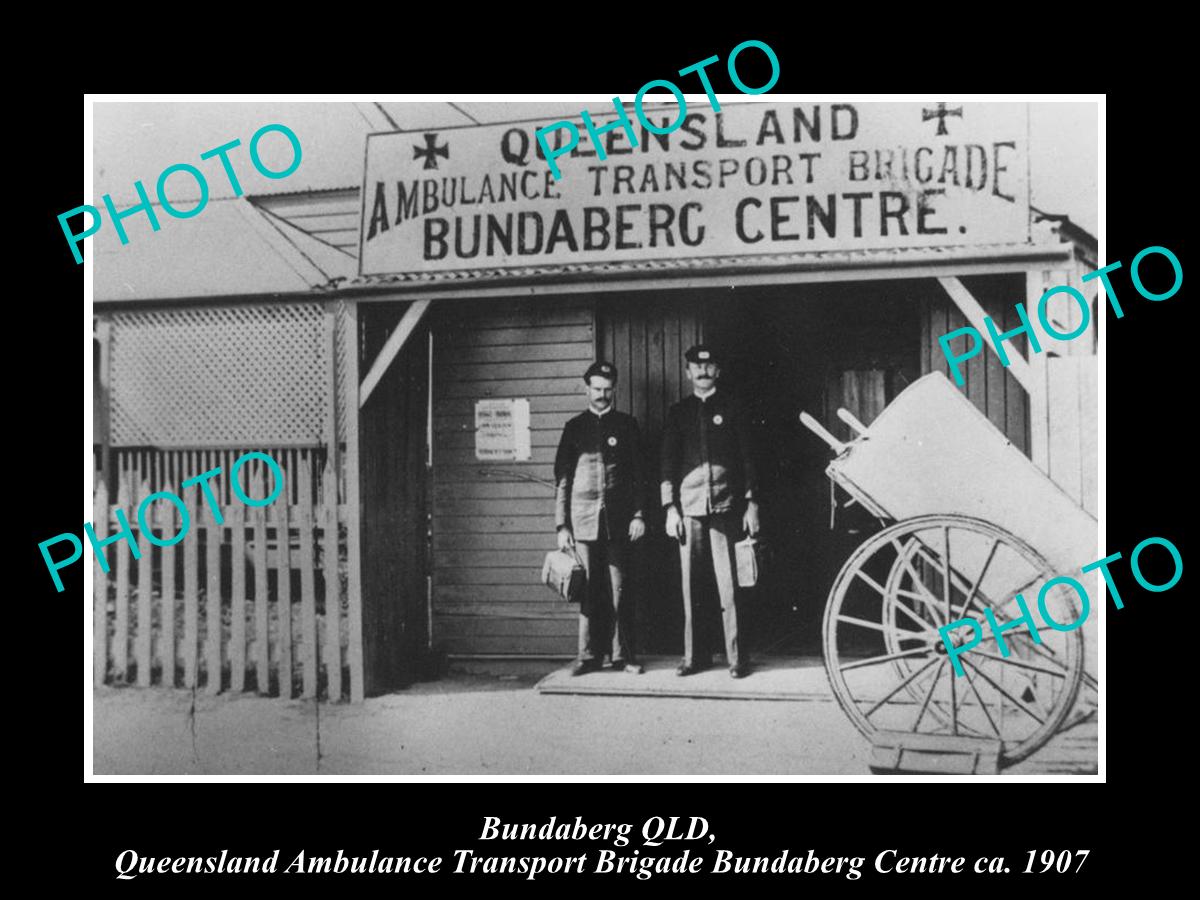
[769,679]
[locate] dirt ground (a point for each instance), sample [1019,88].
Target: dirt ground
[492,725]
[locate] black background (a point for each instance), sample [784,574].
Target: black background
[1149,465]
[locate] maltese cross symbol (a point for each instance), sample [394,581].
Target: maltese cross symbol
[431,151]
[940,114]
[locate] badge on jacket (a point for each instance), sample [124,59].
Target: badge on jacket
[718,419]
[612,441]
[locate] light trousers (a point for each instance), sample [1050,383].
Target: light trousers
[709,537]
[605,617]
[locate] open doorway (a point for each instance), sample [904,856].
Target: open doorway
[809,348]
[787,349]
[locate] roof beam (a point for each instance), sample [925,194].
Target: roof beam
[971,308]
[376,116]
[391,349]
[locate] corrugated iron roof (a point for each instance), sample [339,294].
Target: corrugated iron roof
[824,259]
[230,249]
[308,192]
[1069,229]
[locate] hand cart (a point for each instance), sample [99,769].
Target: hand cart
[973,523]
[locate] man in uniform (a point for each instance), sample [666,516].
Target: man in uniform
[598,512]
[708,491]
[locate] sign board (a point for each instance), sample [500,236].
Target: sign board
[502,430]
[756,178]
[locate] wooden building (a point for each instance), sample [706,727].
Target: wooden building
[406,543]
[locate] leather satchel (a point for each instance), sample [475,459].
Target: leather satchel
[748,555]
[563,573]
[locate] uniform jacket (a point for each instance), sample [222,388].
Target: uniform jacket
[707,466]
[598,472]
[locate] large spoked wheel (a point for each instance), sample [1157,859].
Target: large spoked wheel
[886,660]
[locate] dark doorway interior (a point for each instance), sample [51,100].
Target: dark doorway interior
[792,348]
[813,348]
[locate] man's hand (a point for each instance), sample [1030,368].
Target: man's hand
[674,523]
[637,528]
[750,519]
[566,540]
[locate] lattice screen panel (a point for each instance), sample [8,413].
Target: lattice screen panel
[219,376]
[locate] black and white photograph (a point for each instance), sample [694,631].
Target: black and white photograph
[746,435]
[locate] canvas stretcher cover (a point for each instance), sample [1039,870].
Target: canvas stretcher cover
[932,452]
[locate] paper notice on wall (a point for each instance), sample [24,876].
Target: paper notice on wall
[502,430]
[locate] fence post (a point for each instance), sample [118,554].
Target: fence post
[100,514]
[284,543]
[333,592]
[166,643]
[308,597]
[212,594]
[120,645]
[262,605]
[145,587]
[191,592]
[237,597]
[333,581]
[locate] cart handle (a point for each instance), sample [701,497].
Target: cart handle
[849,418]
[819,430]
